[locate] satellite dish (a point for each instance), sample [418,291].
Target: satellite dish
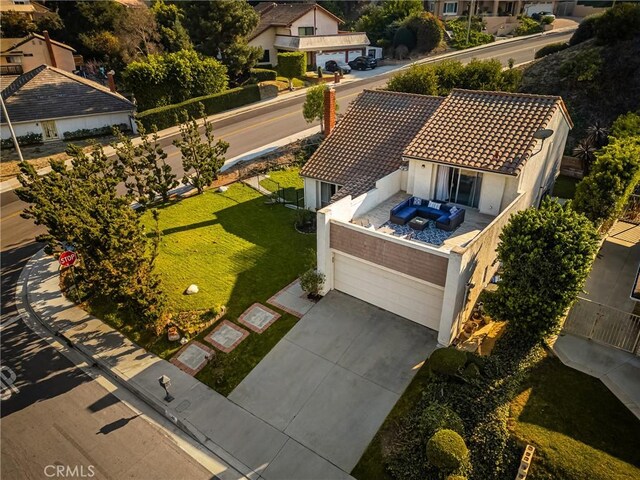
[542,134]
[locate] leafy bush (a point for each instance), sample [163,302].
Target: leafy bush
[622,22]
[30,138]
[95,132]
[450,74]
[447,451]
[471,371]
[404,36]
[428,31]
[164,117]
[312,281]
[614,175]
[437,416]
[626,125]
[420,79]
[528,26]
[456,477]
[170,78]
[547,20]
[447,361]
[476,35]
[551,48]
[263,75]
[585,66]
[586,30]
[482,75]
[291,65]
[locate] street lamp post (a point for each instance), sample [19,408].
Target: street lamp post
[165,382]
[469,23]
[13,134]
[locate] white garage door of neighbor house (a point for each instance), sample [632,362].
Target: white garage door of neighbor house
[322,58]
[532,8]
[395,293]
[353,54]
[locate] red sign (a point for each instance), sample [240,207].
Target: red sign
[67,258]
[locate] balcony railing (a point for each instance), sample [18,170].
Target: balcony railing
[10,69]
[322,42]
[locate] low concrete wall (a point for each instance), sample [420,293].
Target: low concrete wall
[585,11]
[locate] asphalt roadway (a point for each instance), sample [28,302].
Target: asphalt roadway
[61,416]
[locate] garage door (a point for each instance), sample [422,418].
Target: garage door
[391,291]
[322,58]
[353,54]
[532,8]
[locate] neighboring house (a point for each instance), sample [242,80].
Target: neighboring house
[489,154]
[24,7]
[19,55]
[304,27]
[50,102]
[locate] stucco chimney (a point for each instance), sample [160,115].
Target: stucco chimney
[52,55]
[111,81]
[329,115]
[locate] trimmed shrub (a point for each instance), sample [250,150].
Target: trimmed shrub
[312,281]
[95,132]
[420,79]
[471,371]
[528,26]
[404,36]
[586,30]
[165,117]
[447,361]
[263,75]
[428,31]
[551,48]
[30,138]
[291,65]
[437,416]
[447,451]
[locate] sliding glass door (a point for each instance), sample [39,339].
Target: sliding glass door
[464,185]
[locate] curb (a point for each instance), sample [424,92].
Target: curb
[26,312]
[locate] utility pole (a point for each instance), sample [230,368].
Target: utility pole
[13,134]
[469,24]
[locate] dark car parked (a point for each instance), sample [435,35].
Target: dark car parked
[333,66]
[362,63]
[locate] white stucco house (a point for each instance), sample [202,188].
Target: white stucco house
[488,154]
[304,27]
[51,102]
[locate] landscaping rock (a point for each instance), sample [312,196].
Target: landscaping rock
[192,289]
[223,189]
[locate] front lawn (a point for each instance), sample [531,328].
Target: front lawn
[581,431]
[288,179]
[239,251]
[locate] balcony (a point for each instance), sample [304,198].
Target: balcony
[10,69]
[310,43]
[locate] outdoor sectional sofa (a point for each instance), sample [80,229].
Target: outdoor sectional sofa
[418,207]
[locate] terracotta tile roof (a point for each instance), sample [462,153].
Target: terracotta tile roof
[282,15]
[368,141]
[490,131]
[47,92]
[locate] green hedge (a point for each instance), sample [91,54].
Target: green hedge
[447,451]
[263,75]
[28,139]
[551,48]
[94,132]
[165,117]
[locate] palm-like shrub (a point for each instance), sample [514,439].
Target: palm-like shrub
[585,151]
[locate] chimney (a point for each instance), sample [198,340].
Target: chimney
[329,114]
[47,40]
[111,81]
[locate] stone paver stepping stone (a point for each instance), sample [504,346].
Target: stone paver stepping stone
[258,317]
[192,357]
[292,299]
[226,336]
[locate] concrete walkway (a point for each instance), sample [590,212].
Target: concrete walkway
[248,445]
[335,376]
[618,370]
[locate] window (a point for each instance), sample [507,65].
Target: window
[458,186]
[303,31]
[450,8]
[327,190]
[265,57]
[14,59]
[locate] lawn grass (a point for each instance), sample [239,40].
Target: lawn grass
[371,465]
[288,179]
[565,187]
[239,251]
[581,431]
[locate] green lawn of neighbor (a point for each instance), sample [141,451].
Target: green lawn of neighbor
[565,187]
[239,251]
[288,179]
[581,431]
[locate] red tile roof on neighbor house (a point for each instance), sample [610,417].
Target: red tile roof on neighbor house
[491,131]
[369,139]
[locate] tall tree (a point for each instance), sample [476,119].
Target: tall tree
[138,33]
[205,156]
[546,255]
[221,27]
[17,25]
[170,19]
[80,206]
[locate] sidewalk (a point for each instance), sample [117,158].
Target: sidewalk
[249,446]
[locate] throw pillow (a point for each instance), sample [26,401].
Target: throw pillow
[435,205]
[453,210]
[417,201]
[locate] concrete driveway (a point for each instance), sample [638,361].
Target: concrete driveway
[332,380]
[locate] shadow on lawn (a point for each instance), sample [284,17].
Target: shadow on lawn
[579,406]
